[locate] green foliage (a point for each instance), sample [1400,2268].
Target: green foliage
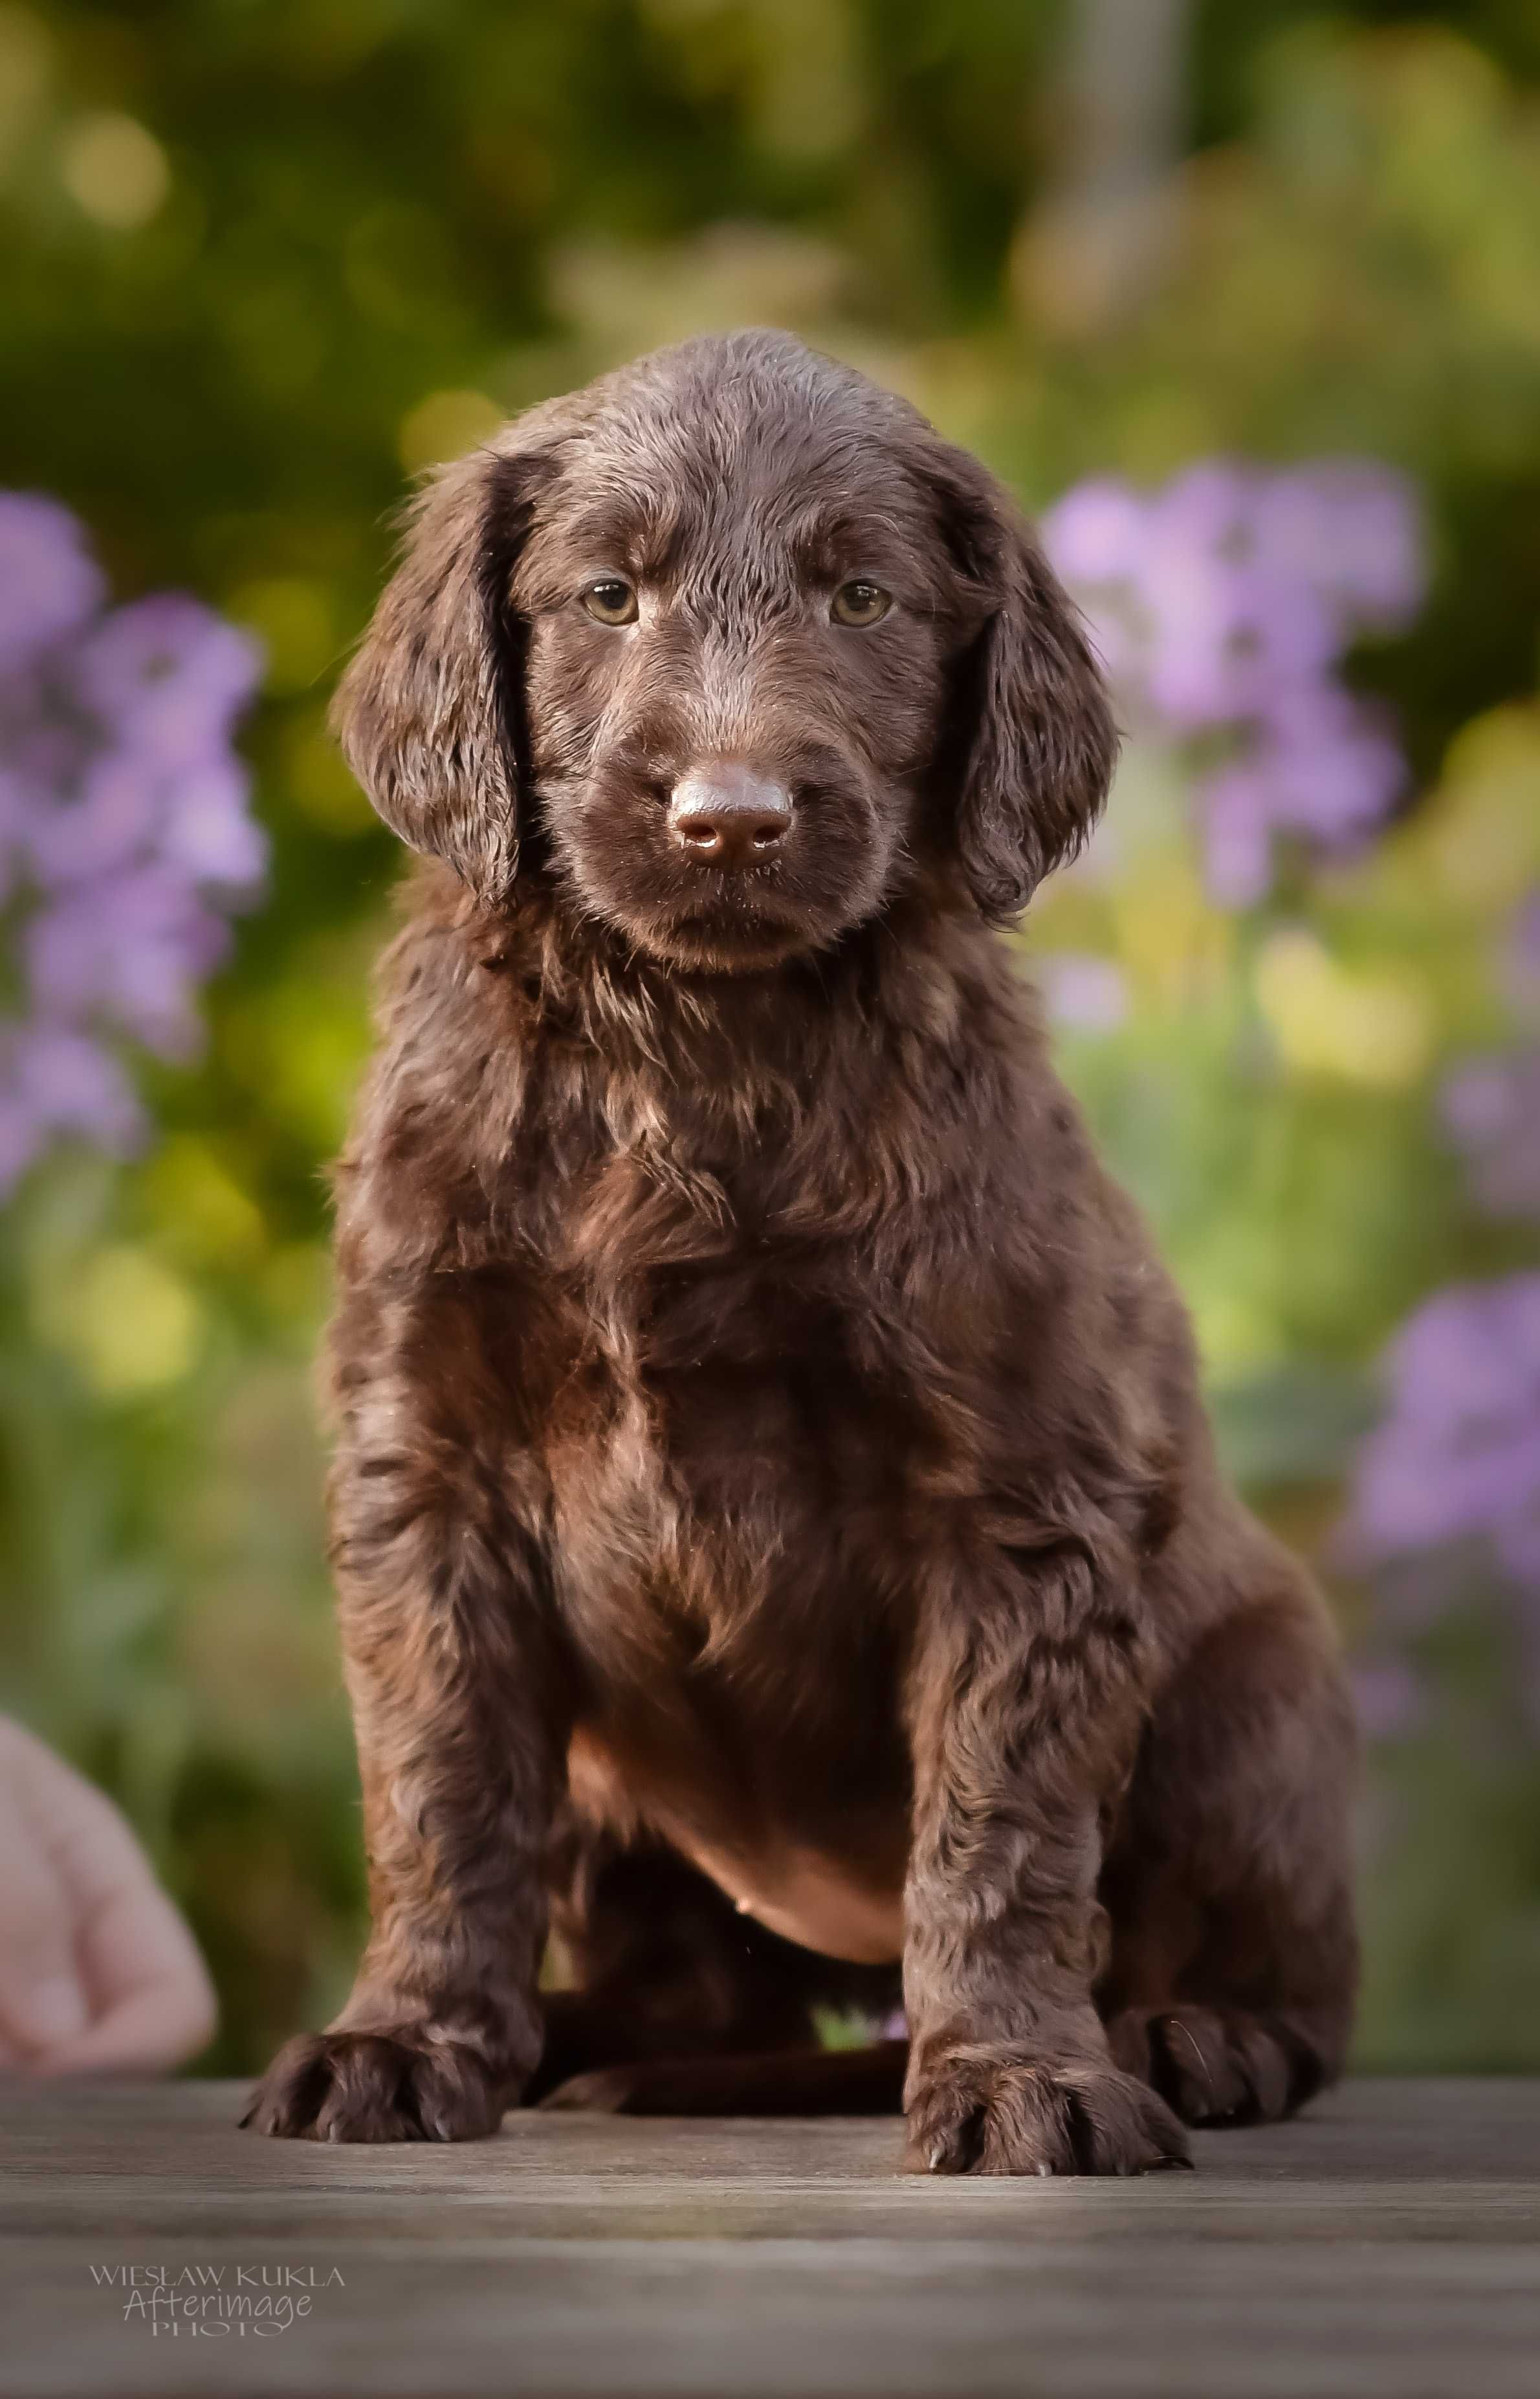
[268,258]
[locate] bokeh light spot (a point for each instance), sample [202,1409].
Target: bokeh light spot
[113,171]
[444,426]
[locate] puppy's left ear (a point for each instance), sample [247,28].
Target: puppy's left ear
[1033,737]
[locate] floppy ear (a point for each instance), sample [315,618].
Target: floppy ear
[429,714]
[1034,739]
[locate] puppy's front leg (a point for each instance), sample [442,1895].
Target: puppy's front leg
[461,1717]
[1025,1706]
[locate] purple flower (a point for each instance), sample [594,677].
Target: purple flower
[1095,533]
[49,582]
[1323,771]
[1457,1457]
[1492,1109]
[1083,992]
[126,835]
[168,676]
[53,1081]
[1353,528]
[1453,1469]
[132,953]
[1221,606]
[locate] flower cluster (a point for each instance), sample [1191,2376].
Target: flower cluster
[1458,1454]
[1221,606]
[126,837]
[1456,1460]
[1453,1469]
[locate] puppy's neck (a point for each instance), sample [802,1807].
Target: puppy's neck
[903,972]
[598,1108]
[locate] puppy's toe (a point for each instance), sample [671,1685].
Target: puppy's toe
[1217,2065]
[408,2086]
[1010,2116]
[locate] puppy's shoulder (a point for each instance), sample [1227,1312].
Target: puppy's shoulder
[962,1000]
[446,1084]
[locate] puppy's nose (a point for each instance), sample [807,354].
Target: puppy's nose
[726,816]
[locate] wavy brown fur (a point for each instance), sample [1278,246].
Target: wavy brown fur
[769,1454]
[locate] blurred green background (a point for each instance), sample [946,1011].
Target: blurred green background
[264,260]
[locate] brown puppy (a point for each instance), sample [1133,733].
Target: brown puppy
[775,1523]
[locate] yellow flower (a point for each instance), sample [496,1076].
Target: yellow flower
[1329,1020]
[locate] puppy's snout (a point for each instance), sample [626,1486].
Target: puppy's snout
[726,816]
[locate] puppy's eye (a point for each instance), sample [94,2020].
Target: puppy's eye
[611,600]
[861,603]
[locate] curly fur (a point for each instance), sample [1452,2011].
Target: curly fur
[770,1462]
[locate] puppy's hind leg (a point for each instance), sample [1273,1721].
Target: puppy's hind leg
[1234,1962]
[806,2081]
[681,2006]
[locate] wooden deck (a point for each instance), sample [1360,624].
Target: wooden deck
[1387,2244]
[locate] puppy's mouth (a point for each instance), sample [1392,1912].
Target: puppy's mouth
[621,863]
[728,932]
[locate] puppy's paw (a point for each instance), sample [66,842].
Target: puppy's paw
[1005,2115]
[407,2085]
[1218,2065]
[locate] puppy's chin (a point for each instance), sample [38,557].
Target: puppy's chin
[717,925]
[723,942]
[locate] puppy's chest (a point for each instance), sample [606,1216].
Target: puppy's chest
[732,1415]
[729,1507]
[735,1446]
[735,1358]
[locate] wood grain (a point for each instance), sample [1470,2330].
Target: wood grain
[1390,2243]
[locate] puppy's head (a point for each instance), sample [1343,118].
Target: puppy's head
[726,644]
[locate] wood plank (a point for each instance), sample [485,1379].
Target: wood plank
[1389,2244]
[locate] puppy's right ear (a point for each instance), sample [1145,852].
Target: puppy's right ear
[430,712]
